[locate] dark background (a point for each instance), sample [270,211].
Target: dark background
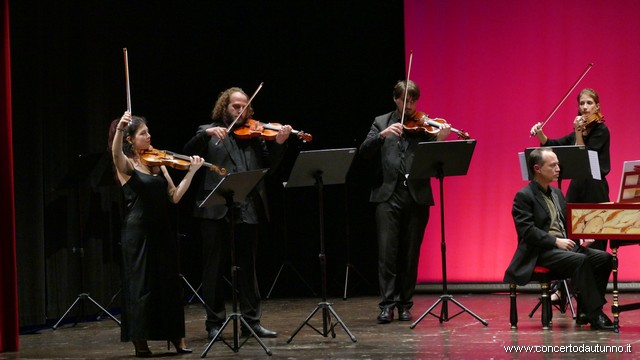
[328,68]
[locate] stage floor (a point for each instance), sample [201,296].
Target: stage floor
[462,337]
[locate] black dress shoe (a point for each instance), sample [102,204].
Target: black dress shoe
[404,315]
[212,332]
[386,315]
[600,321]
[260,331]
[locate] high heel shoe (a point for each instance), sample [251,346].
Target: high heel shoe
[144,353]
[142,349]
[179,350]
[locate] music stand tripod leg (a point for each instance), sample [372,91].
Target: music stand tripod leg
[293,268]
[339,321]
[426,312]
[103,309]
[113,299]
[195,293]
[305,322]
[275,280]
[65,313]
[465,309]
[346,278]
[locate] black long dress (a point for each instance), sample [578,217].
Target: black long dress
[151,292]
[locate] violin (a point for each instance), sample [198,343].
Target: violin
[155,157]
[268,131]
[591,120]
[420,122]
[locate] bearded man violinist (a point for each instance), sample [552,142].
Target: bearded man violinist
[217,145]
[402,205]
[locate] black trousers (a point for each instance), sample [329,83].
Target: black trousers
[400,223]
[589,270]
[216,263]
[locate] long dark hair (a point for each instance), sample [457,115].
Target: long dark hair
[129,131]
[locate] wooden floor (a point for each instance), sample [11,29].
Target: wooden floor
[462,337]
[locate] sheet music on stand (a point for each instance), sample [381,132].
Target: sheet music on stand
[630,182]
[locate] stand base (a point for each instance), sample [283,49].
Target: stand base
[293,268]
[85,296]
[444,311]
[346,278]
[327,326]
[195,293]
[113,299]
[235,318]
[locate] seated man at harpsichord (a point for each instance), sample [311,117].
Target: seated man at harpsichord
[539,214]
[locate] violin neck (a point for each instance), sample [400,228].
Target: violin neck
[271,127]
[439,125]
[460,133]
[186,158]
[277,128]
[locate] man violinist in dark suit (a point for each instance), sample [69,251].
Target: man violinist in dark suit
[402,205]
[235,154]
[539,212]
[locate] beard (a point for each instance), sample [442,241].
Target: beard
[228,119]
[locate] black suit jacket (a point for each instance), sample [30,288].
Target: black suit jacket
[386,155]
[259,154]
[532,220]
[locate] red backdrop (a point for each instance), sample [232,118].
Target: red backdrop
[9,340]
[494,68]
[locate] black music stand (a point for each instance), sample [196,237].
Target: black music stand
[232,190]
[319,168]
[575,163]
[439,159]
[82,167]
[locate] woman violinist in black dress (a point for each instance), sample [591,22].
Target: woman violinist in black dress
[151,291]
[590,131]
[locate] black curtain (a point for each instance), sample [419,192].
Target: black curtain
[328,68]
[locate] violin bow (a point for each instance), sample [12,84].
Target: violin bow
[584,73]
[406,87]
[242,111]
[126,74]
